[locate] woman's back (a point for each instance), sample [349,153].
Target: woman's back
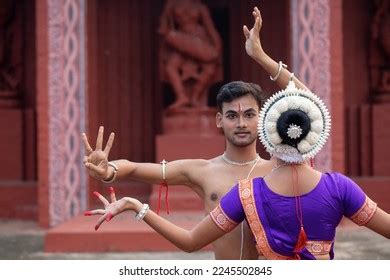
[315,200]
[292,180]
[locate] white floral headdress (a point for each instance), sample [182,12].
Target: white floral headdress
[293,98]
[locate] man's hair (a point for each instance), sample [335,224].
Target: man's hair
[233,90]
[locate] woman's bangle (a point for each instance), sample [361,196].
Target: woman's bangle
[281,66]
[116,169]
[141,214]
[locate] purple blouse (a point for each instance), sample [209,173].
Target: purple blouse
[323,207]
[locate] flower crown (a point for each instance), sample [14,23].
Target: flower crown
[294,98]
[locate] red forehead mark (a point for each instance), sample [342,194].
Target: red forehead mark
[239,108]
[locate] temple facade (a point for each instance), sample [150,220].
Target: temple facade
[69,66]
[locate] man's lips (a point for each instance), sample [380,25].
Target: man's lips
[242,133]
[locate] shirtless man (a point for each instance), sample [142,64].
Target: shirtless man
[238,106]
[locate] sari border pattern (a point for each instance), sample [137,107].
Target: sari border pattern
[249,206]
[222,220]
[365,213]
[318,247]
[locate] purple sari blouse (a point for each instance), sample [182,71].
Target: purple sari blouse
[323,207]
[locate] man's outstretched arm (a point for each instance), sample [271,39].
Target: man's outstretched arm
[96,161]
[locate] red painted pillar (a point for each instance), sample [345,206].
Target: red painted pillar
[337,81]
[42,112]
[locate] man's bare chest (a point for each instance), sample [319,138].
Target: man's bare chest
[217,186]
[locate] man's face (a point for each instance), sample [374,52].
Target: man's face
[239,120]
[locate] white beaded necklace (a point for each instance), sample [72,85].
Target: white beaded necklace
[240,163]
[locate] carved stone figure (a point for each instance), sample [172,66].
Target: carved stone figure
[190,56]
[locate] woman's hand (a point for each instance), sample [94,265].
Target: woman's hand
[96,161]
[112,209]
[252,37]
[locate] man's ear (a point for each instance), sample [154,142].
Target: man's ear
[218,120]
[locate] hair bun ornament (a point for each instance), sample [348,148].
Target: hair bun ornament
[293,98]
[294,131]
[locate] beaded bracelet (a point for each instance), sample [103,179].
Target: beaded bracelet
[141,214]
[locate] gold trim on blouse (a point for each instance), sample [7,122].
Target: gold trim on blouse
[319,247]
[365,213]
[222,220]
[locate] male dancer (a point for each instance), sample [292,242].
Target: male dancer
[238,108]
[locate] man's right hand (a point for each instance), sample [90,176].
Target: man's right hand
[96,161]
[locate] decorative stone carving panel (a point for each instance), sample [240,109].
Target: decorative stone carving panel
[66,101]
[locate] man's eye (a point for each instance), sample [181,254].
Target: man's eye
[231,117]
[250,115]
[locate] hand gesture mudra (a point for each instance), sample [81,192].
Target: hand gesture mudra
[96,161]
[111,209]
[252,37]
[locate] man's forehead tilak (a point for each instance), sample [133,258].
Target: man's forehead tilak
[240,106]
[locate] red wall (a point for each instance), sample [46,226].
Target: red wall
[18,174]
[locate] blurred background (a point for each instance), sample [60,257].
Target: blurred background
[69,66]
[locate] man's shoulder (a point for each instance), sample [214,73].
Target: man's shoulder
[195,162]
[264,167]
[207,164]
[212,162]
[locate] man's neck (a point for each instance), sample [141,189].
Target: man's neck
[241,154]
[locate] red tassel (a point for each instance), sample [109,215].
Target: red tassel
[302,239]
[163,185]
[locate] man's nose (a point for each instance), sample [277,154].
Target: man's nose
[241,122]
